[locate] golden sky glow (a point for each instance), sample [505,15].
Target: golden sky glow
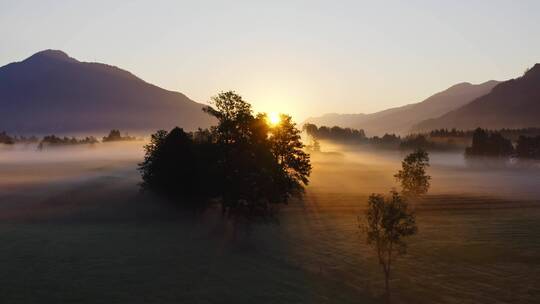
[304,58]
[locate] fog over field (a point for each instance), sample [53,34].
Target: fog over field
[75,228]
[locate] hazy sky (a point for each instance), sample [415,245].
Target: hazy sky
[301,57]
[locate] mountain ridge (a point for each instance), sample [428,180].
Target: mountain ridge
[53,92]
[514,103]
[399,120]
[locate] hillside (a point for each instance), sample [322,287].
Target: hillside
[512,104]
[400,120]
[52,92]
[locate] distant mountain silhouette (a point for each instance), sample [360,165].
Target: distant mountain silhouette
[51,92]
[512,104]
[399,120]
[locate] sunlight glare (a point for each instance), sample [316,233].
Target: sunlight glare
[274,119]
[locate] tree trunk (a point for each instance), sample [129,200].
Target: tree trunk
[387,286]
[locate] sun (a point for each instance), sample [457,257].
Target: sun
[274,119]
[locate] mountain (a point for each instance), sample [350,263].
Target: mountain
[512,104]
[51,92]
[399,120]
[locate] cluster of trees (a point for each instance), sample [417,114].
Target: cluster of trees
[436,140]
[10,140]
[417,142]
[244,163]
[335,133]
[485,143]
[115,135]
[491,143]
[479,142]
[389,220]
[348,135]
[449,133]
[528,147]
[512,134]
[391,141]
[435,143]
[53,140]
[6,139]
[387,140]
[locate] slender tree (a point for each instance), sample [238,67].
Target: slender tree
[388,221]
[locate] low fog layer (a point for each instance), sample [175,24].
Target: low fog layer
[29,177]
[362,170]
[76,215]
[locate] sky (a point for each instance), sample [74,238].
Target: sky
[305,58]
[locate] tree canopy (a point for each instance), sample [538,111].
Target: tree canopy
[242,162]
[486,143]
[388,221]
[412,176]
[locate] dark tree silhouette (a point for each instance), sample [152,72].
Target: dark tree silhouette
[242,161]
[335,133]
[350,136]
[388,221]
[417,142]
[486,143]
[174,165]
[287,148]
[53,140]
[115,135]
[412,176]
[6,139]
[528,147]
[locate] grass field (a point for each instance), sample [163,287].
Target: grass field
[75,229]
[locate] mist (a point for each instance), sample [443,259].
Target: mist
[364,170]
[78,212]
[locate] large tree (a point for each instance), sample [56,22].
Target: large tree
[243,162]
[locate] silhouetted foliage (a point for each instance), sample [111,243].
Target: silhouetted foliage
[412,176]
[115,135]
[6,139]
[242,162]
[25,140]
[386,141]
[53,140]
[528,147]
[435,140]
[511,134]
[449,133]
[177,166]
[350,136]
[335,133]
[489,144]
[414,142]
[388,221]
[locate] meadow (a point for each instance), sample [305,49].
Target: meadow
[75,228]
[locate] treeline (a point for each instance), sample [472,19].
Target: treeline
[349,135]
[10,140]
[521,143]
[115,135]
[512,134]
[391,141]
[54,140]
[493,143]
